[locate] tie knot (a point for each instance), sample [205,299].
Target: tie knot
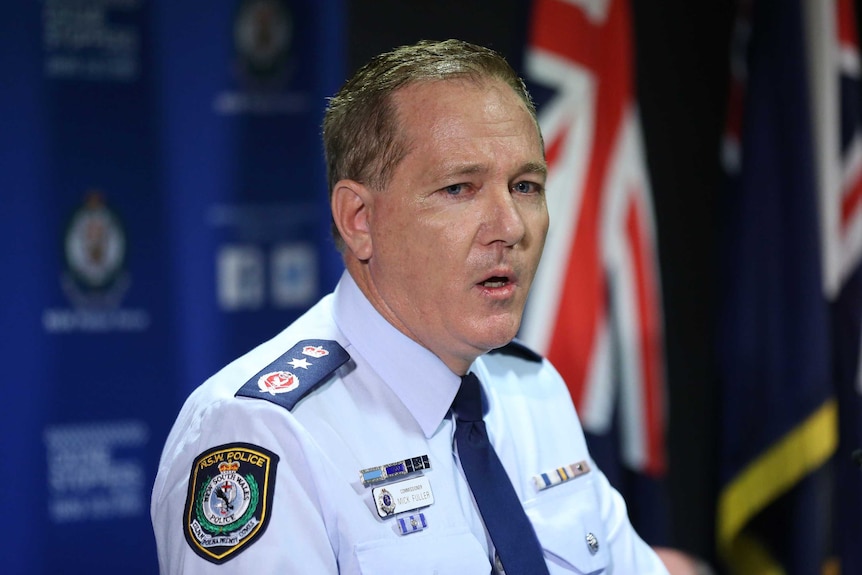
[468,401]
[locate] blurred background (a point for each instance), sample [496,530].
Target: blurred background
[163,209]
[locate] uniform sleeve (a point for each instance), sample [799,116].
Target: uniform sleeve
[214,509]
[629,553]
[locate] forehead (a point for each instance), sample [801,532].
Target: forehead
[431,111]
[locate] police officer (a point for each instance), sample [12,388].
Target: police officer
[335,446]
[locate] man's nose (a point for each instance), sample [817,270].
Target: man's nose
[502,218]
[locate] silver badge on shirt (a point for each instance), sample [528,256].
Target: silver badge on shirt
[402,496]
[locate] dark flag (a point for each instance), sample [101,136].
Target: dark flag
[835,74]
[774,344]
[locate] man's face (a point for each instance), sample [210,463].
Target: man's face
[458,231]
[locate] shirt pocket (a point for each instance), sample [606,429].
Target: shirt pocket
[568,522]
[452,553]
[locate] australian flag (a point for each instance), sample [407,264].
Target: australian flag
[595,307]
[835,66]
[776,339]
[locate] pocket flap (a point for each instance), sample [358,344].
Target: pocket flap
[569,525]
[450,553]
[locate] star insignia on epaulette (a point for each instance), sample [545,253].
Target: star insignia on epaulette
[303,363]
[282,383]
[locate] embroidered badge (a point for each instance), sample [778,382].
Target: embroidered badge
[229,499]
[316,351]
[277,382]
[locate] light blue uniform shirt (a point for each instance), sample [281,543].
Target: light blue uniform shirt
[390,402]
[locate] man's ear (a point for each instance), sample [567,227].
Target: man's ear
[351,205]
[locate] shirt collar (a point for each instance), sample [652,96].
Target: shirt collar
[419,378]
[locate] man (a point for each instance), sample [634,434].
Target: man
[332,448]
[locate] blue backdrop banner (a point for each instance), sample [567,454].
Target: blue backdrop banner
[164,209]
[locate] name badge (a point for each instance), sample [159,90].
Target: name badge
[402,496]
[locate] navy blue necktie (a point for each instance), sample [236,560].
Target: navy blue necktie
[507,523]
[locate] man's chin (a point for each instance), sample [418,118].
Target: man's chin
[498,338]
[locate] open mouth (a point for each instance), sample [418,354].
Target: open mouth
[495,282]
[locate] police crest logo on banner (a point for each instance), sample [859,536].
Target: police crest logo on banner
[262,34]
[229,499]
[94,278]
[264,63]
[95,250]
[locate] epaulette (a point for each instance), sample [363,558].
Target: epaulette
[293,375]
[518,349]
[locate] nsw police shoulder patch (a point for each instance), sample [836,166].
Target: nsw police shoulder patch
[229,500]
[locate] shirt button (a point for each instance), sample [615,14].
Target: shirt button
[498,565]
[593,543]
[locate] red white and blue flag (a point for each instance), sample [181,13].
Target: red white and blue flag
[595,309]
[834,66]
[784,262]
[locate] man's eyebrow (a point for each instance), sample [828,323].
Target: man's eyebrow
[461,169]
[539,168]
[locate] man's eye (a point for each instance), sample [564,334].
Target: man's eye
[454,189]
[527,187]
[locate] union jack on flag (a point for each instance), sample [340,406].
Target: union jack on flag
[595,308]
[835,69]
